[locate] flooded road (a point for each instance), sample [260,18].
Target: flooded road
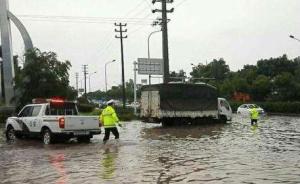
[146,153]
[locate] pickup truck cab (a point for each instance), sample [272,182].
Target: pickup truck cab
[53,120]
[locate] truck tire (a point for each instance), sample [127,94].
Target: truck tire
[47,136]
[167,122]
[85,139]
[10,134]
[223,119]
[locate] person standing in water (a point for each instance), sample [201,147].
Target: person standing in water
[110,121]
[253,115]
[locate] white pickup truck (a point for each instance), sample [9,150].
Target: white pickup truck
[54,120]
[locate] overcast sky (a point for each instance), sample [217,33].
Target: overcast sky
[240,31]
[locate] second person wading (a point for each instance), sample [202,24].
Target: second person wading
[110,121]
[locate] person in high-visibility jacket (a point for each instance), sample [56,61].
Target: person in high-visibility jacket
[110,121]
[253,115]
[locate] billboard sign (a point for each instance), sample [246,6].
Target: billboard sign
[150,66]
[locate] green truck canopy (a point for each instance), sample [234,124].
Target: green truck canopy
[185,97]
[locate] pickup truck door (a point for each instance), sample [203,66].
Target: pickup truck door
[31,118]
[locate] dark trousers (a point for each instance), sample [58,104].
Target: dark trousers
[253,121]
[114,130]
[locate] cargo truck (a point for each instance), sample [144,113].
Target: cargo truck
[183,103]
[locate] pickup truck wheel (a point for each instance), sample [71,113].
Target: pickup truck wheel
[223,119]
[47,136]
[10,134]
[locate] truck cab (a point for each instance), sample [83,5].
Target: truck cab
[225,111]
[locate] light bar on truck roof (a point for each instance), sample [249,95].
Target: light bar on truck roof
[55,100]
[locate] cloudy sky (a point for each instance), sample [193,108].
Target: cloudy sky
[82,31]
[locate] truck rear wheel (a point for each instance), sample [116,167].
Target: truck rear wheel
[47,137]
[223,119]
[167,122]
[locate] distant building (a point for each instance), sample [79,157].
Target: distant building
[240,96]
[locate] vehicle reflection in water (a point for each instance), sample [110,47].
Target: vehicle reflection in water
[57,161]
[184,132]
[108,162]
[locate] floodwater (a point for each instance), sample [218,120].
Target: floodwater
[147,153]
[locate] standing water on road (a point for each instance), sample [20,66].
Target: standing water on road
[146,153]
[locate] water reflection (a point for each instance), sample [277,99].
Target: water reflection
[183,132]
[108,161]
[57,162]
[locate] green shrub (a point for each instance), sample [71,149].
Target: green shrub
[125,114]
[85,107]
[234,105]
[5,113]
[281,107]
[96,112]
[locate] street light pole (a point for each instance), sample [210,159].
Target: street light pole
[105,74]
[149,49]
[293,37]
[90,80]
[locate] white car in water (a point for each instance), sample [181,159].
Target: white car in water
[244,109]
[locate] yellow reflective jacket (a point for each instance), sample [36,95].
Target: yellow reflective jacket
[109,117]
[254,113]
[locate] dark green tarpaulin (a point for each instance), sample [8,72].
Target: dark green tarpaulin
[185,97]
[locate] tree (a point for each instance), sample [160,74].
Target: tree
[216,69]
[43,76]
[284,88]
[249,72]
[180,76]
[275,66]
[261,88]
[115,92]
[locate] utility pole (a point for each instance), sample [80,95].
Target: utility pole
[134,87]
[164,25]
[85,68]
[77,75]
[121,37]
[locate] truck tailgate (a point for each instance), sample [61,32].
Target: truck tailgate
[81,122]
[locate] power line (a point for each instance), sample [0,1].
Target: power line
[140,26]
[72,19]
[149,4]
[78,17]
[88,22]
[132,10]
[180,3]
[141,11]
[84,21]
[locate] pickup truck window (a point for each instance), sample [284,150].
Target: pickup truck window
[26,112]
[36,110]
[66,109]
